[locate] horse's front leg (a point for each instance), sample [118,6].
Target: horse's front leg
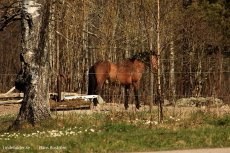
[127,87]
[136,87]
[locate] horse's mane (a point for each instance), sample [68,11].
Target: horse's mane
[142,56]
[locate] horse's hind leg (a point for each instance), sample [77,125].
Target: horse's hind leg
[97,92]
[136,86]
[127,87]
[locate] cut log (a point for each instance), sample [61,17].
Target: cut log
[11,95]
[11,102]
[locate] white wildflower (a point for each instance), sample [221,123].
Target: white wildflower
[92,130]
[61,133]
[148,122]
[151,122]
[72,132]
[54,131]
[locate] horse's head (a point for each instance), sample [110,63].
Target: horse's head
[154,61]
[144,57]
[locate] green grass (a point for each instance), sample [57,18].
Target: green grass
[118,132]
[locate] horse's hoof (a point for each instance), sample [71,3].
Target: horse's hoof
[138,106]
[95,107]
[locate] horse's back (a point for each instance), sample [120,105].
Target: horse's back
[124,73]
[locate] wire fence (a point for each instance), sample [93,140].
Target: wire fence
[190,72]
[205,87]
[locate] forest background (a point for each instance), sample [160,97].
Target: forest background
[194,38]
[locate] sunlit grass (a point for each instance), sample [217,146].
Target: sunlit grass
[118,132]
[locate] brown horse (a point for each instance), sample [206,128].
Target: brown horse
[128,72]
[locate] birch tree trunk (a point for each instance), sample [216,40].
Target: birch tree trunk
[34,57]
[85,49]
[159,91]
[151,89]
[172,80]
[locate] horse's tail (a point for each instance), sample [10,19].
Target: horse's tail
[92,81]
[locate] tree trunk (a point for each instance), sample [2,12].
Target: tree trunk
[85,50]
[172,79]
[34,57]
[151,89]
[159,92]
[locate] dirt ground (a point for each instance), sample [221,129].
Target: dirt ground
[85,108]
[9,109]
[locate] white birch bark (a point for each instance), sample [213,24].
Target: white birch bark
[34,74]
